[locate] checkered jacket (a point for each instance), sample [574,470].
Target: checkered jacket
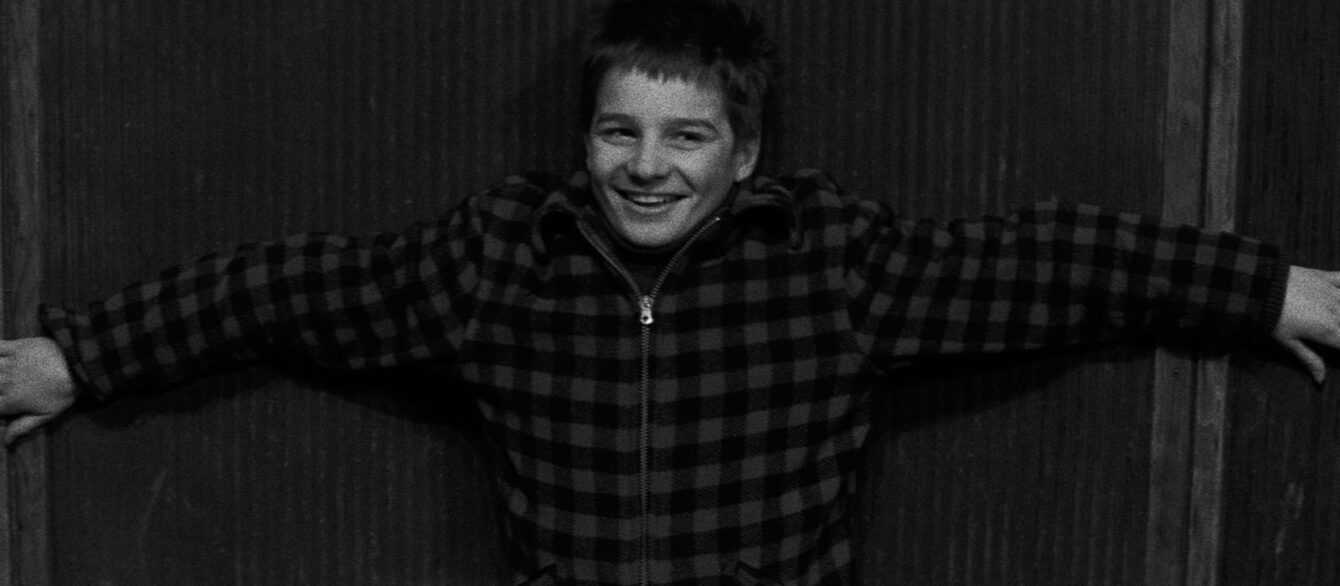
[704,431]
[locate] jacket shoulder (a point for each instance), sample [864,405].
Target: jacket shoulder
[516,198]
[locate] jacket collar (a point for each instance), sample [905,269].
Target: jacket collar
[759,200]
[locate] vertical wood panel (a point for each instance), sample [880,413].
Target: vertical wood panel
[1175,374]
[1282,514]
[1026,469]
[26,547]
[963,108]
[7,165]
[1205,531]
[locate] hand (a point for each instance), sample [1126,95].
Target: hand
[1311,314]
[35,385]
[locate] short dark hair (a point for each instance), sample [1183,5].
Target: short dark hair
[715,42]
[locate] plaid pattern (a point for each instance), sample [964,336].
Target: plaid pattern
[713,439]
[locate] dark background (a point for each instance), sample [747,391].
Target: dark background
[171,129]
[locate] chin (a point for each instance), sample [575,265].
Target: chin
[648,238]
[649,233]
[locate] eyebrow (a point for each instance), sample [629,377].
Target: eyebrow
[673,122]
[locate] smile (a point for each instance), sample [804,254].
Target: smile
[649,200]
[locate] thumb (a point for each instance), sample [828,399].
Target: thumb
[25,425]
[1311,360]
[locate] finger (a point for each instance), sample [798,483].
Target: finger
[1311,360]
[24,426]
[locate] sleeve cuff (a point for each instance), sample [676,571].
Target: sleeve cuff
[72,333]
[1273,306]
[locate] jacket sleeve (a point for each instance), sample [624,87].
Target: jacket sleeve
[1048,275]
[336,302]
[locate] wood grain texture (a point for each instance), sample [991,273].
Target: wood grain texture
[1283,461]
[1221,193]
[1177,380]
[1014,472]
[1030,469]
[26,541]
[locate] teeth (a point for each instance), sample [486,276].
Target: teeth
[649,199]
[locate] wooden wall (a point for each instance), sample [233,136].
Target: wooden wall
[140,133]
[1282,508]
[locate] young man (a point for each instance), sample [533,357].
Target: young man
[674,354]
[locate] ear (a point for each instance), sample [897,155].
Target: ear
[746,158]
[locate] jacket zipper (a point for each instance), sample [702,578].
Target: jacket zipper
[646,306]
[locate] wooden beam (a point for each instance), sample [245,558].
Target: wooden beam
[1176,377]
[26,537]
[1220,204]
[1190,392]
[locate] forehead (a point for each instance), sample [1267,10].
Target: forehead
[641,95]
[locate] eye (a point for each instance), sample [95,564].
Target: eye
[617,135]
[690,139]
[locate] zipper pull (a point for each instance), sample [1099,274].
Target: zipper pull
[646,311]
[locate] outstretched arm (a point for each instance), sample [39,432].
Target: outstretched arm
[1055,274]
[1050,275]
[339,303]
[1311,316]
[334,302]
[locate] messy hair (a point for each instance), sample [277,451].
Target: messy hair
[715,43]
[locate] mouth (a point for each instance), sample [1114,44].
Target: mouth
[649,201]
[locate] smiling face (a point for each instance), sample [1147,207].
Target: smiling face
[662,155]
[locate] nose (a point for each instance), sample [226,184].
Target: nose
[648,162]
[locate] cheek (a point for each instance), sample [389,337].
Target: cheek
[713,173]
[600,161]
